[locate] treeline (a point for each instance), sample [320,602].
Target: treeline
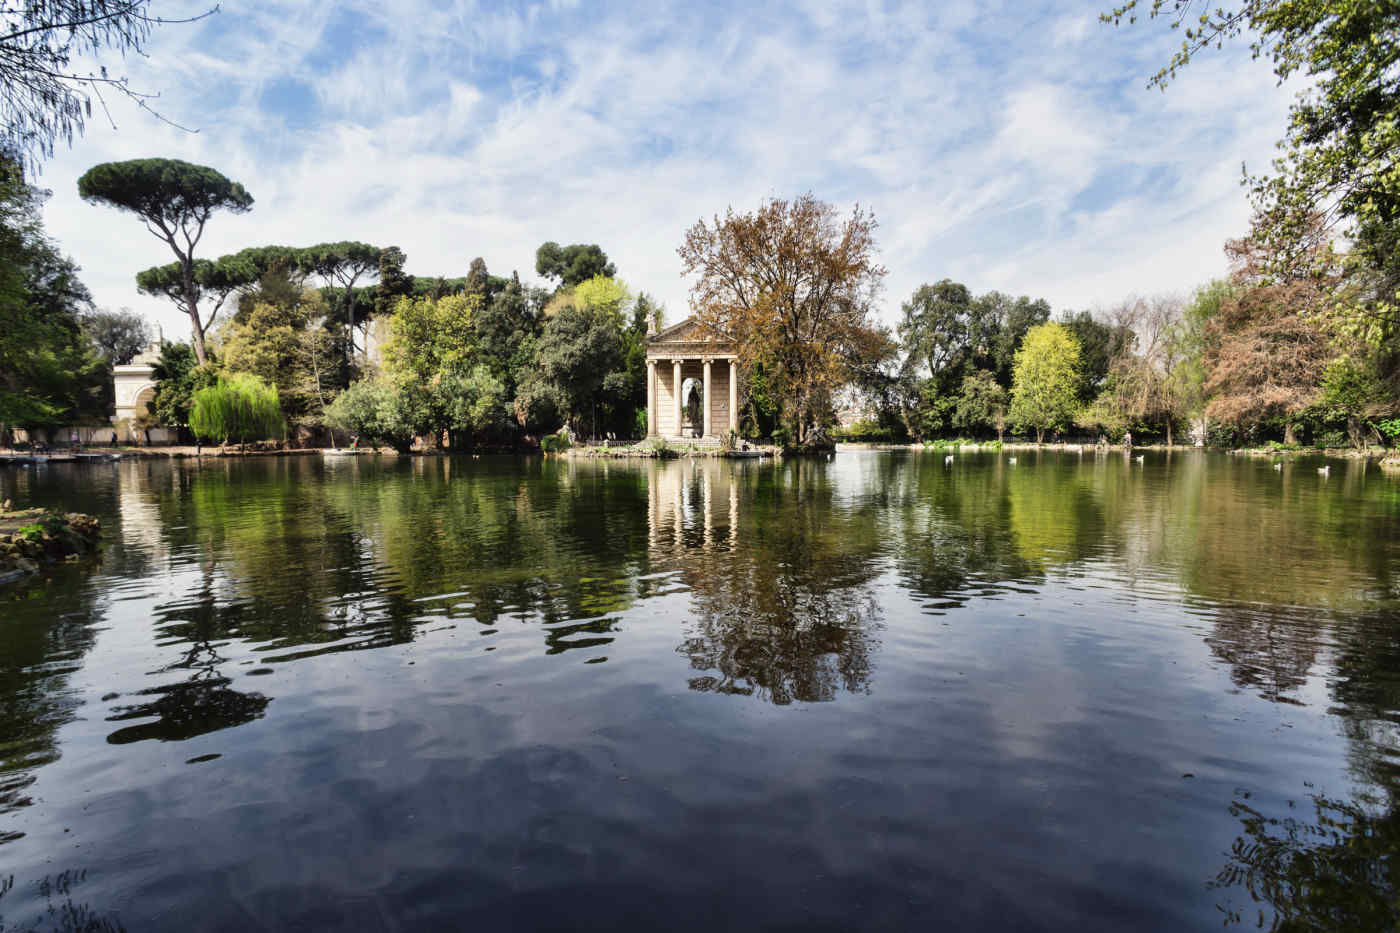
[453,362]
[1293,349]
[56,349]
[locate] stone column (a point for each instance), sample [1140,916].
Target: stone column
[706,398]
[651,399]
[676,392]
[733,394]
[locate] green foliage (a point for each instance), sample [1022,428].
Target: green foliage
[50,371]
[1389,428]
[864,431]
[178,376]
[239,407]
[118,335]
[1046,380]
[581,355]
[428,338]
[554,443]
[982,402]
[1342,134]
[382,410]
[571,265]
[474,403]
[166,192]
[394,283]
[281,342]
[1331,439]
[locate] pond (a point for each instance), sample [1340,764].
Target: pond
[1069,692]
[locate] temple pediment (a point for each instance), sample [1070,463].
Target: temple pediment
[686,339]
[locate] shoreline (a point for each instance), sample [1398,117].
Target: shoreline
[32,539]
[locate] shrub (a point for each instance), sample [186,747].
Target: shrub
[380,410]
[554,443]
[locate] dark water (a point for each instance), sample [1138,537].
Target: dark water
[1073,693]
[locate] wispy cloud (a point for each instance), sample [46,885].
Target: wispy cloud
[1008,147]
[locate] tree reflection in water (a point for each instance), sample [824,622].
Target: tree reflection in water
[59,913]
[1337,869]
[1334,871]
[781,602]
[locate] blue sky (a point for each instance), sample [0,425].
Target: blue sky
[1008,146]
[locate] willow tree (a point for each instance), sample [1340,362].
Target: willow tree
[175,200]
[239,407]
[791,286]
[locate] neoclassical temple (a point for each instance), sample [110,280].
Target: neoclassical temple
[692,384]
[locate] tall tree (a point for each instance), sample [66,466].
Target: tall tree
[1046,380]
[175,200]
[791,286]
[1141,382]
[1265,350]
[341,265]
[580,353]
[936,330]
[570,265]
[45,97]
[393,282]
[207,283]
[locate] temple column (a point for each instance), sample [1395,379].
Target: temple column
[733,394]
[706,406]
[651,399]
[676,391]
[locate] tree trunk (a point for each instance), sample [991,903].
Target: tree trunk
[191,302]
[1039,436]
[1289,435]
[1169,432]
[1354,432]
[197,332]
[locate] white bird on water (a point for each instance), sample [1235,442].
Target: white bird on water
[1278,466]
[1140,457]
[948,459]
[1011,460]
[1325,470]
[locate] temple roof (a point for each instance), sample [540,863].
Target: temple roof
[686,338]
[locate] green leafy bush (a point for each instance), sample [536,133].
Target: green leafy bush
[554,443]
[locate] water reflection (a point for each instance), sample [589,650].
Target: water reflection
[781,606]
[973,622]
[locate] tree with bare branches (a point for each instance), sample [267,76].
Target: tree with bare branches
[791,286]
[45,97]
[1267,348]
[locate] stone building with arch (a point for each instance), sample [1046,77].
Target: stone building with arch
[692,384]
[134,389]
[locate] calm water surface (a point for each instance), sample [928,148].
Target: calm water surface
[1071,693]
